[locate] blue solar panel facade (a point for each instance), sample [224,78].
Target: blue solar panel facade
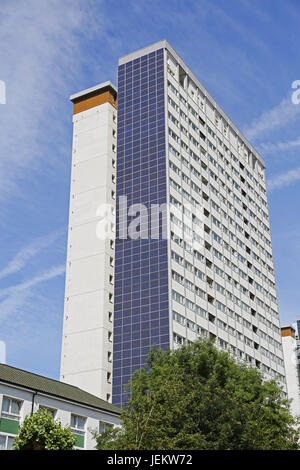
[141,308]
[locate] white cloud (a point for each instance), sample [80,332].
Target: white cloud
[12,304]
[40,54]
[18,295]
[269,147]
[285,112]
[45,276]
[25,254]
[285,179]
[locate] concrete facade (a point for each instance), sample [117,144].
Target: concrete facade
[86,358]
[289,345]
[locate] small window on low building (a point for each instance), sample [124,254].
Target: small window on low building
[78,429]
[52,411]
[103,425]
[11,408]
[6,442]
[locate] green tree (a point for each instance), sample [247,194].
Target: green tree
[39,431]
[197,397]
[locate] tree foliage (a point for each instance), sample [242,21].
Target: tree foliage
[40,432]
[197,397]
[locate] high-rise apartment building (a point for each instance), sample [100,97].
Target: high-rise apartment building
[86,358]
[184,169]
[192,253]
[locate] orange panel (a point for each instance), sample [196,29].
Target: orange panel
[288,331]
[91,101]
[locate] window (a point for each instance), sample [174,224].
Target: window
[78,424]
[109,356]
[103,425]
[11,408]
[108,377]
[52,411]
[178,339]
[6,442]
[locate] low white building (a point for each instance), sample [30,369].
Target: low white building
[22,393]
[289,345]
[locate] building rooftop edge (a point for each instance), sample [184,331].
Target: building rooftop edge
[144,50]
[93,89]
[166,45]
[20,377]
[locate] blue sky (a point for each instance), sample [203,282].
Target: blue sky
[246,53]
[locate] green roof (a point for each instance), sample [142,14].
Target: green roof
[14,376]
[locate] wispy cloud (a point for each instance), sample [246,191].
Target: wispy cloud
[282,114]
[26,253]
[269,147]
[45,276]
[40,44]
[284,179]
[17,296]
